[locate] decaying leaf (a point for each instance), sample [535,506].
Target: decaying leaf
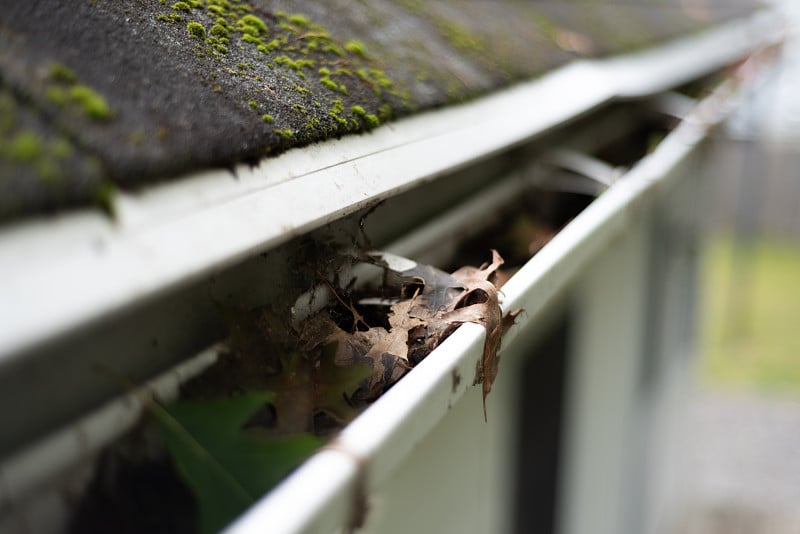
[421,306]
[490,362]
[481,293]
[280,387]
[374,349]
[293,364]
[443,301]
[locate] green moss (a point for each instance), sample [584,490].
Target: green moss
[252,25]
[266,117]
[217,10]
[372,120]
[253,104]
[337,107]
[358,110]
[295,65]
[25,147]
[274,44]
[92,103]
[376,79]
[330,84]
[219,30]
[356,47]
[103,197]
[163,18]
[196,30]
[182,6]
[385,112]
[302,90]
[324,72]
[459,36]
[61,73]
[333,48]
[249,38]
[57,95]
[286,133]
[299,20]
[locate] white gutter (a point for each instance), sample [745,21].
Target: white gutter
[170,238]
[85,267]
[322,494]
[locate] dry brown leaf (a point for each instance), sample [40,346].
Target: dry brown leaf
[418,324]
[481,304]
[491,354]
[387,367]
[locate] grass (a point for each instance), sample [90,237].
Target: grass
[751,322]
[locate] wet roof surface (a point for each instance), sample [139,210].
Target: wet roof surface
[102,94]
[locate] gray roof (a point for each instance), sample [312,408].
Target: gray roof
[96,95]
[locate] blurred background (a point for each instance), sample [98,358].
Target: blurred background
[744,459]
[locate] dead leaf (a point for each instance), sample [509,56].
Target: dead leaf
[444,302]
[491,354]
[481,304]
[387,367]
[395,341]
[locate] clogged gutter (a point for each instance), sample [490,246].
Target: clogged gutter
[279,389]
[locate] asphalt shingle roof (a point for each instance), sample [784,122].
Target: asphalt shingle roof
[97,94]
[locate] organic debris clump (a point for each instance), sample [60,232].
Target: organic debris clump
[284,383]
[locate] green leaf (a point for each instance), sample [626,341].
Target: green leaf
[227,467]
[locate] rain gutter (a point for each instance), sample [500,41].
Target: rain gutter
[170,235]
[173,234]
[371,449]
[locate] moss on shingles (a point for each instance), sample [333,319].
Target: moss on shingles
[92,103]
[36,162]
[460,36]
[63,90]
[171,92]
[62,73]
[196,30]
[299,44]
[285,133]
[182,6]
